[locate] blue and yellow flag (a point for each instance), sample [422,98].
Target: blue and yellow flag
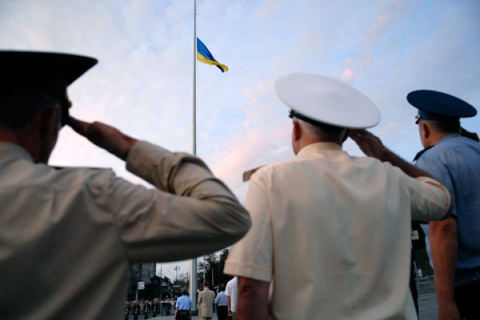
[204,55]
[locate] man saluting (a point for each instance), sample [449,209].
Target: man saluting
[330,235]
[68,236]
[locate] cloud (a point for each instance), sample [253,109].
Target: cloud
[265,11]
[393,127]
[249,150]
[284,149]
[348,75]
[378,29]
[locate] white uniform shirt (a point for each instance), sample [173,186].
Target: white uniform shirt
[332,232]
[231,291]
[69,236]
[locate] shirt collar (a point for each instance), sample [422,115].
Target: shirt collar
[448,137]
[318,147]
[11,150]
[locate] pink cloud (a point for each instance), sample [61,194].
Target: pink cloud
[348,75]
[247,152]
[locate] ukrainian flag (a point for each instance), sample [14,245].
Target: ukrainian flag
[204,55]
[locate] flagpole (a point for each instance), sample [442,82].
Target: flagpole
[193,262]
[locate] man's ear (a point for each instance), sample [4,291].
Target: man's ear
[297,131]
[426,131]
[49,120]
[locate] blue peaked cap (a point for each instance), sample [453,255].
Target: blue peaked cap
[439,106]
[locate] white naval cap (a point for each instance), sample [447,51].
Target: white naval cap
[326,100]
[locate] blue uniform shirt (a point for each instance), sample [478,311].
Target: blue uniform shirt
[455,161]
[184,303]
[221,299]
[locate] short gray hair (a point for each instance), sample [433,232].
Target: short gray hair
[323,131]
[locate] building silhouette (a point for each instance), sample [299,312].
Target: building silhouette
[139,272]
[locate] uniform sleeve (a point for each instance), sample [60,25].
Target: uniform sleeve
[228,289]
[429,199]
[191,213]
[440,172]
[252,257]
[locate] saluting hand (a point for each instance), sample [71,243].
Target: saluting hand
[104,136]
[369,143]
[372,146]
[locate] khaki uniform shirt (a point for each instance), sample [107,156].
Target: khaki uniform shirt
[332,234]
[69,236]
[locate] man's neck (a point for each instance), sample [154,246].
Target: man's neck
[8,136]
[308,142]
[26,140]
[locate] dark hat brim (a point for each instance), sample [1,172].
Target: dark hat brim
[441,104]
[18,65]
[48,72]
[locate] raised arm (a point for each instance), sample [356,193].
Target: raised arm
[372,146]
[189,214]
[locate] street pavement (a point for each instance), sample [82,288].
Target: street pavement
[427,304]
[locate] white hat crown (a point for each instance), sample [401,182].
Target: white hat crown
[327,100]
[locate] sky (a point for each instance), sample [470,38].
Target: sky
[143,83]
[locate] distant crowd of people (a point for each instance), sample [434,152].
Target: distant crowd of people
[220,301]
[148,308]
[224,301]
